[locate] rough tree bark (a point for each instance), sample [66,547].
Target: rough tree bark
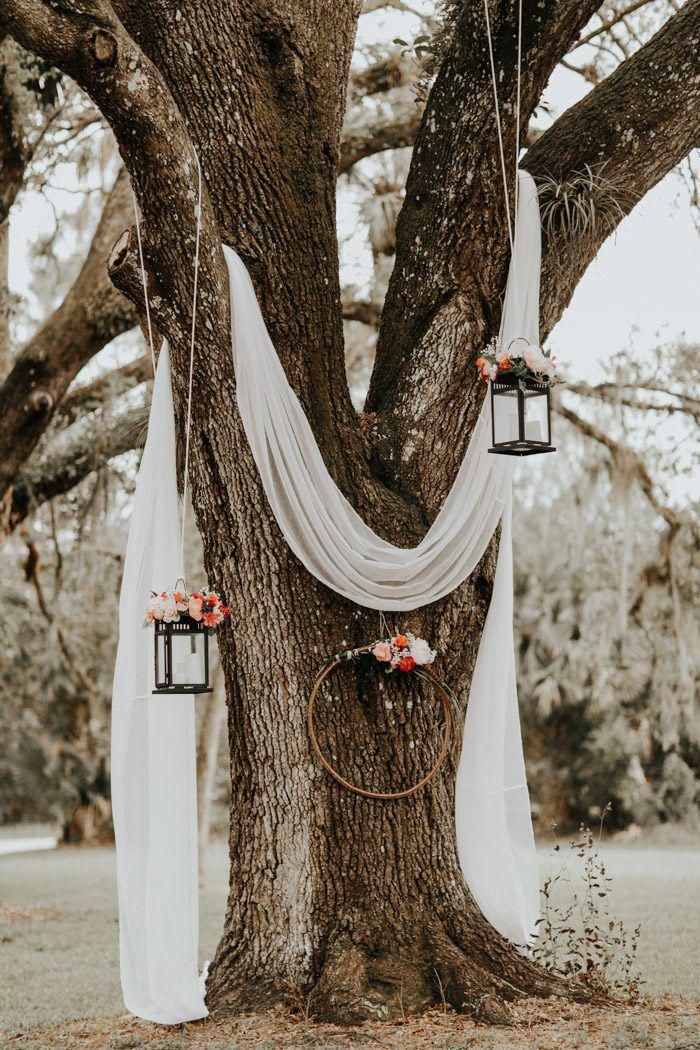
[357,905]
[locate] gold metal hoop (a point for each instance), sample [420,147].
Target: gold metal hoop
[445,697]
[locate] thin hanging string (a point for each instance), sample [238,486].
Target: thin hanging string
[144,281]
[193,329]
[499,129]
[384,631]
[517,120]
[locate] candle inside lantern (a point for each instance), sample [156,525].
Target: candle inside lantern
[189,669]
[533,430]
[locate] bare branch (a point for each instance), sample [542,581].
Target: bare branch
[611,394]
[362,310]
[390,125]
[87,398]
[633,465]
[609,23]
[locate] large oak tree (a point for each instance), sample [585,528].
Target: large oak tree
[358,905]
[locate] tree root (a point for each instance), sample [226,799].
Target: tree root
[374,972]
[388,978]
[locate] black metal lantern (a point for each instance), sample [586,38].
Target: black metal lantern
[521,421]
[182,656]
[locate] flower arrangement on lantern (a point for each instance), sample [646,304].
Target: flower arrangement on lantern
[403,652]
[172,606]
[532,363]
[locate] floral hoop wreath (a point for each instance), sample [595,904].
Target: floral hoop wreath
[445,701]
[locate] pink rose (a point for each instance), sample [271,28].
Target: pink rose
[195,606]
[382,652]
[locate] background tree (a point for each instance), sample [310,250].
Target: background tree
[362,907]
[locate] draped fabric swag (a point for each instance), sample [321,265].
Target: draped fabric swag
[153,740]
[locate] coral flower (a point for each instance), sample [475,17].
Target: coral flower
[401,641]
[406,664]
[211,619]
[480,362]
[225,610]
[212,600]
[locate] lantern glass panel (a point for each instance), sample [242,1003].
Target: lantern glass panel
[505,416]
[536,416]
[161,660]
[187,655]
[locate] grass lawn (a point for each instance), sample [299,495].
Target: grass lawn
[59,951]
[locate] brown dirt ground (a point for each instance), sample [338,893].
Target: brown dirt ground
[662,1023]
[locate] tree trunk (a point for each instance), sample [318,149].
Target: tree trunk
[357,906]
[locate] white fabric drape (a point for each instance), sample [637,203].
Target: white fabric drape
[494,828]
[153,738]
[153,757]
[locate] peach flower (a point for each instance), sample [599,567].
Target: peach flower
[382,652]
[195,606]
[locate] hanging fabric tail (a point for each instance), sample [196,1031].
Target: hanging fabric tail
[493,824]
[153,757]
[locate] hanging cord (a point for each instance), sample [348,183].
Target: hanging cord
[499,129]
[144,281]
[193,329]
[517,120]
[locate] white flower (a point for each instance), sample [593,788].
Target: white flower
[421,651]
[170,613]
[535,359]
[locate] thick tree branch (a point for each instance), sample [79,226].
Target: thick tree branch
[91,314]
[639,123]
[452,254]
[61,470]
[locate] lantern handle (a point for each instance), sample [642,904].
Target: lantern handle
[183,581]
[516,340]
